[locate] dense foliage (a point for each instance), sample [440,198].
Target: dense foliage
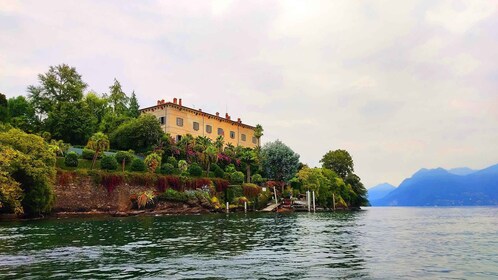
[279,161]
[28,164]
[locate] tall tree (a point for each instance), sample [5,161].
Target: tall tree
[61,84]
[139,134]
[73,123]
[248,157]
[98,105]
[133,106]
[118,99]
[339,161]
[4,108]
[279,161]
[22,114]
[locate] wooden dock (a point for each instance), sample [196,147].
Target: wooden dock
[271,207]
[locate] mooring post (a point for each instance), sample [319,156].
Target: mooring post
[245,206]
[314,208]
[228,207]
[333,201]
[308,200]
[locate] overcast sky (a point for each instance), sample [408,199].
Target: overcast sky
[401,85]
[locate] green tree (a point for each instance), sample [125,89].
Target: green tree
[97,105]
[360,192]
[72,122]
[139,134]
[219,143]
[118,99]
[10,190]
[133,108]
[279,161]
[61,84]
[4,108]
[248,157]
[338,161]
[99,143]
[152,161]
[32,167]
[22,114]
[258,132]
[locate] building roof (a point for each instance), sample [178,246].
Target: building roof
[161,104]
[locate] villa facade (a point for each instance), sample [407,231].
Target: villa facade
[179,120]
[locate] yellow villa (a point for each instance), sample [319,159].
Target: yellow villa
[178,120]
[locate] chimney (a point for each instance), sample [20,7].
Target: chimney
[174,100]
[226,116]
[180,102]
[239,120]
[162,101]
[217,114]
[158,102]
[200,110]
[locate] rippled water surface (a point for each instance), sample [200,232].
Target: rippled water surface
[376,243]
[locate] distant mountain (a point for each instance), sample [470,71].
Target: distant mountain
[379,191]
[440,187]
[461,171]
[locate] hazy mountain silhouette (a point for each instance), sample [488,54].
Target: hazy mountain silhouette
[379,191]
[439,187]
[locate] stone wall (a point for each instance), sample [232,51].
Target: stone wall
[83,195]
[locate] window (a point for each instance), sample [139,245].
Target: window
[196,126]
[220,131]
[243,137]
[209,128]
[161,120]
[179,121]
[232,134]
[254,140]
[178,138]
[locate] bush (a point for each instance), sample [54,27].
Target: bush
[195,170]
[108,163]
[167,168]
[218,172]
[71,159]
[172,161]
[172,195]
[234,191]
[123,155]
[251,191]
[87,154]
[237,177]
[257,179]
[138,165]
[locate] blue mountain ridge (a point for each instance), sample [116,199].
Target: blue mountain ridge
[439,187]
[379,191]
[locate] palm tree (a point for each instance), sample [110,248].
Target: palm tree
[219,143]
[99,143]
[258,132]
[248,157]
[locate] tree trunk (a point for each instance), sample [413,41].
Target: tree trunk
[248,173]
[123,164]
[208,167]
[94,158]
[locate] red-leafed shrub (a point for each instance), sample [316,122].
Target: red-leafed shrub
[65,178]
[197,183]
[272,184]
[142,179]
[251,190]
[221,184]
[111,181]
[174,182]
[162,184]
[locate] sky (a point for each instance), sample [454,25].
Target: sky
[400,85]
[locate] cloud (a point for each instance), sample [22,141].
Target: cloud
[401,85]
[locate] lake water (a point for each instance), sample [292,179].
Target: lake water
[376,243]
